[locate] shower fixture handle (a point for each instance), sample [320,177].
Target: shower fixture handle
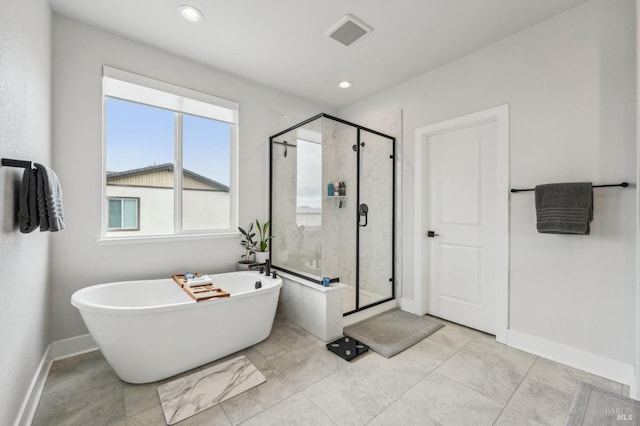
[431,234]
[363,210]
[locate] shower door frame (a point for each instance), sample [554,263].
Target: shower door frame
[359,129]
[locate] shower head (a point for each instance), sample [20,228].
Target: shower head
[286,146]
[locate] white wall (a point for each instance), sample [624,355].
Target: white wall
[635,387]
[77,259]
[570,84]
[25,133]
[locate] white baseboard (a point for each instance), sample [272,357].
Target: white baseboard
[73,346]
[574,357]
[369,312]
[32,398]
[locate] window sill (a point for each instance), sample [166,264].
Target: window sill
[151,239]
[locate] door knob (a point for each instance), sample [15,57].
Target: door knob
[431,234]
[363,210]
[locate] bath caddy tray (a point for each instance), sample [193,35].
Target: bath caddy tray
[202,292]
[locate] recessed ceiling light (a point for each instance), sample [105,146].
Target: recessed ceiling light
[344,84]
[190,13]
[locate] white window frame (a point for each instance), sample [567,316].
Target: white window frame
[122,228]
[117,83]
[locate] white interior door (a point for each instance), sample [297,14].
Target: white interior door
[461,181]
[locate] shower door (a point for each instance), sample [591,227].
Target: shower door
[375,218]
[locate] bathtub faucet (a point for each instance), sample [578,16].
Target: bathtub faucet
[266,265]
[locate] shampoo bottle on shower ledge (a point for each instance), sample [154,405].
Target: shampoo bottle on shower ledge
[342,189]
[330,190]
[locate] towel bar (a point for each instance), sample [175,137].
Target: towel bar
[623,184]
[17,163]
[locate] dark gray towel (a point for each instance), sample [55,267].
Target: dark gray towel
[564,208]
[49,194]
[28,219]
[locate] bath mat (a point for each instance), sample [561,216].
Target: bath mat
[186,396]
[347,348]
[393,331]
[593,406]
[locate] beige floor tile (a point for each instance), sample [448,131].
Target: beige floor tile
[486,348]
[306,365]
[491,380]
[453,335]
[538,403]
[255,400]
[102,405]
[348,398]
[295,410]
[140,398]
[402,413]
[281,340]
[566,378]
[507,419]
[428,353]
[395,375]
[91,370]
[150,417]
[448,402]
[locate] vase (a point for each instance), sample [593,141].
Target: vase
[261,256]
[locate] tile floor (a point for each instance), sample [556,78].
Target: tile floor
[457,376]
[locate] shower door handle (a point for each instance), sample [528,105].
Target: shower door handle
[363,210]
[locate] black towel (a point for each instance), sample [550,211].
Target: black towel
[28,218]
[564,208]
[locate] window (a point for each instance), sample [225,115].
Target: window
[123,213]
[170,158]
[309,183]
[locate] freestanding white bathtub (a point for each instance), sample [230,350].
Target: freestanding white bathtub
[151,330]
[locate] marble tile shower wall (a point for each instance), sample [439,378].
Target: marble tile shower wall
[338,214]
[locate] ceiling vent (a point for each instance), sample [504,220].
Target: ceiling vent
[348,30]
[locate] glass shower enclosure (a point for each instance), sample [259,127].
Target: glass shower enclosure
[332,207]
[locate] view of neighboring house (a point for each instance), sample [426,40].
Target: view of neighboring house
[141,202]
[309,216]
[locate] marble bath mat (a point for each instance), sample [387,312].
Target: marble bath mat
[186,396]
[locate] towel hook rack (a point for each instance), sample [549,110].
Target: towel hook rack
[8,162]
[623,184]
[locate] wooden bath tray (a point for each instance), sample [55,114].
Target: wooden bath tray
[202,292]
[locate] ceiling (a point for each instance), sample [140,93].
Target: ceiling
[281,43]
